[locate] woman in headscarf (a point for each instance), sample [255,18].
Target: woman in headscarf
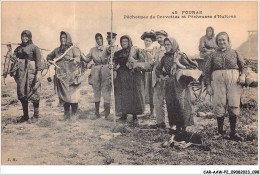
[100,76]
[149,54]
[28,75]
[224,77]
[177,92]
[95,56]
[129,84]
[68,73]
[207,43]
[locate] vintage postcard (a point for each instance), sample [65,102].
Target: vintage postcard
[129,83]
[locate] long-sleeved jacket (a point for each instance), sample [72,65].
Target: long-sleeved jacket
[158,56]
[223,60]
[96,54]
[30,52]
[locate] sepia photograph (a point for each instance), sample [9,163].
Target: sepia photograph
[130,83]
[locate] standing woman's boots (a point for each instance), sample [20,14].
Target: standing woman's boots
[151,109]
[134,118]
[220,121]
[178,129]
[233,135]
[97,115]
[36,113]
[66,111]
[107,110]
[25,116]
[123,117]
[74,108]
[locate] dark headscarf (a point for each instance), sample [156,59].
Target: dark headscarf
[29,35]
[175,48]
[175,45]
[126,52]
[213,34]
[98,35]
[68,41]
[130,43]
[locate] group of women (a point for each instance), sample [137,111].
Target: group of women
[150,75]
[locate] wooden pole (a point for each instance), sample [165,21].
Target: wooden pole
[248,50]
[111,62]
[20,44]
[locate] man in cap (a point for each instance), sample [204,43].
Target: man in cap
[111,47]
[111,39]
[158,84]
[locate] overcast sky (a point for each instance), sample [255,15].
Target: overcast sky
[84,19]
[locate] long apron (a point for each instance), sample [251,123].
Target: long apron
[178,101]
[25,80]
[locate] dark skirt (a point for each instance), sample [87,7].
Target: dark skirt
[178,101]
[129,92]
